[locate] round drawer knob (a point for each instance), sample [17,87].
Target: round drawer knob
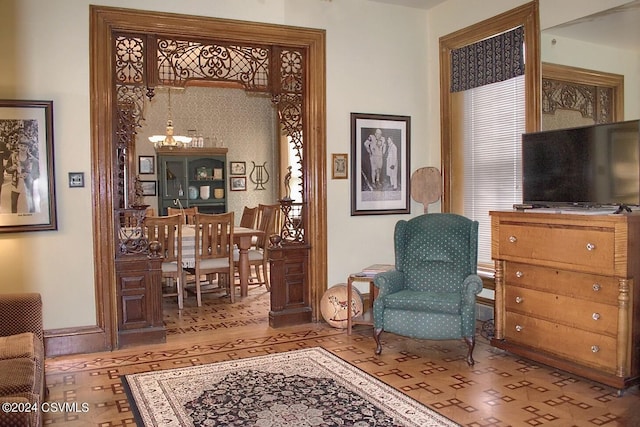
[513,239]
[519,300]
[590,246]
[518,328]
[519,274]
[596,287]
[595,349]
[595,316]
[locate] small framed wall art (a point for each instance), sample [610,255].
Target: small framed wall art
[339,169]
[238,168]
[146,165]
[238,183]
[148,188]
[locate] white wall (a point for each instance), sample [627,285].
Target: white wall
[380,59]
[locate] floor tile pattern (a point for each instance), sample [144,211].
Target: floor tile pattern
[500,390]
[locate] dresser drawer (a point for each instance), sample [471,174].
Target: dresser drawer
[583,347]
[592,287]
[575,246]
[576,313]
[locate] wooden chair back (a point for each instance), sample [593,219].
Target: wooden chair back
[168,231]
[214,248]
[267,215]
[248,218]
[188,214]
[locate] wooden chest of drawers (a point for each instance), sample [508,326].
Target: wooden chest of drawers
[565,292]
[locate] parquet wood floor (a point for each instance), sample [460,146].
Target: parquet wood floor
[500,390]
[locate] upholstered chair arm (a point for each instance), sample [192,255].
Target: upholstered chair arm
[387,283]
[471,287]
[21,313]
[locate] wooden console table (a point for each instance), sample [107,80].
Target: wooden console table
[565,291]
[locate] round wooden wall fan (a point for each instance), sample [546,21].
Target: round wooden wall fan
[426,186]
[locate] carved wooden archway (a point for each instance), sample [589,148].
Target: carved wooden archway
[300,97]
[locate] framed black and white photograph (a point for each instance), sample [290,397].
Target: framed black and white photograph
[238,168]
[148,188]
[238,183]
[27,190]
[146,165]
[380,164]
[339,169]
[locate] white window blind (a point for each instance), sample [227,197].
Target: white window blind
[494,121]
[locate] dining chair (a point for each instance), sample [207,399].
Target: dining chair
[258,256]
[168,231]
[188,214]
[214,250]
[248,218]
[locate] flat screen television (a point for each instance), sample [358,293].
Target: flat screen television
[587,166]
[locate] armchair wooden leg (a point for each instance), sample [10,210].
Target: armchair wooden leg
[376,336]
[471,343]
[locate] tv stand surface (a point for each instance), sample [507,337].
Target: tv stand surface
[577,209]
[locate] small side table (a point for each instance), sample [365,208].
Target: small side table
[367,313]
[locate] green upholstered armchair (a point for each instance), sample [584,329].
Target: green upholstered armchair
[432,292]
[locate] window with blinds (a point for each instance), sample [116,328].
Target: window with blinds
[494,121]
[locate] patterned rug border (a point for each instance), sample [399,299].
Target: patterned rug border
[160,407]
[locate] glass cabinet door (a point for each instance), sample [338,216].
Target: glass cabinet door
[174,179]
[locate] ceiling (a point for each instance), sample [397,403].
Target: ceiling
[614,27]
[419,4]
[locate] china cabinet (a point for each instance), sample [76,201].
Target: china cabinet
[190,177]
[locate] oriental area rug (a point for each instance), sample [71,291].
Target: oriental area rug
[309,387]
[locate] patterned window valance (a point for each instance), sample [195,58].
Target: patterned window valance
[488,61]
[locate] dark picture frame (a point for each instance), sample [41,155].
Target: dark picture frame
[27,199]
[149,188]
[146,165]
[380,164]
[237,168]
[238,183]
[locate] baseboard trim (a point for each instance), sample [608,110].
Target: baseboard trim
[85,339]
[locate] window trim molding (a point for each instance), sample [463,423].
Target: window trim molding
[527,16]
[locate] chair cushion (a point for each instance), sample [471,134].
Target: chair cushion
[436,302]
[20,345]
[169,267]
[253,254]
[214,263]
[18,376]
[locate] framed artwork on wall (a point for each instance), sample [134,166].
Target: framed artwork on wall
[238,183]
[238,168]
[339,166]
[148,188]
[380,164]
[146,165]
[26,149]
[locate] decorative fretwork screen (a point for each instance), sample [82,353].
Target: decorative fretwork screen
[143,62]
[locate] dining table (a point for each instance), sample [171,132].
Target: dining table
[242,237]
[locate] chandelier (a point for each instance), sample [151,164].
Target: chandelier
[169,139]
